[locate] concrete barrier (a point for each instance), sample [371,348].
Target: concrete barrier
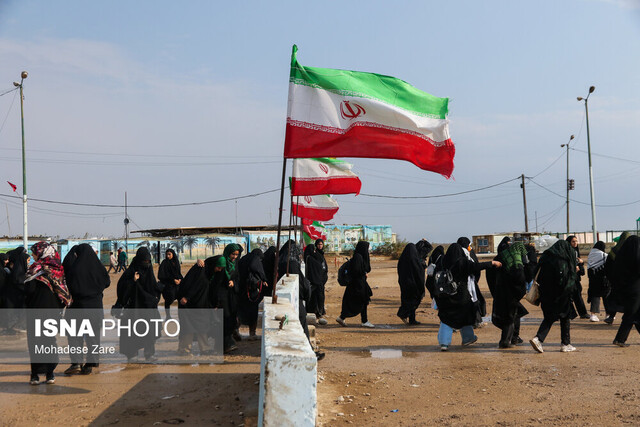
[288,367]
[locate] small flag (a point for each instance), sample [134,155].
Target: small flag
[323,176]
[320,208]
[313,230]
[13,186]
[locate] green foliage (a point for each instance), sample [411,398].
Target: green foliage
[393,250]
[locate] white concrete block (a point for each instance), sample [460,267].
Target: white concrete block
[288,370]
[287,287]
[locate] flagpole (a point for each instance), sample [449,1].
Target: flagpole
[289,241]
[274,297]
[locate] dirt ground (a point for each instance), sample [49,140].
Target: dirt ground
[397,375]
[391,375]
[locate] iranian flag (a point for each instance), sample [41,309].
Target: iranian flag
[319,208]
[340,113]
[323,176]
[312,231]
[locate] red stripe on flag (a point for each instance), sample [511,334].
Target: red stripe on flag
[316,214]
[332,185]
[369,142]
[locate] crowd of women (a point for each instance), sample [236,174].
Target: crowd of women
[236,284]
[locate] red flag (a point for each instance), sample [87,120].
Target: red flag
[13,186]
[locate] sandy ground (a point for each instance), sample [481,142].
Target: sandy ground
[396,374]
[391,375]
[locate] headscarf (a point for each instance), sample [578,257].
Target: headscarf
[362,248]
[504,244]
[85,275]
[141,264]
[577,248]
[424,248]
[316,246]
[436,255]
[455,260]
[561,250]
[628,260]
[169,269]
[614,251]
[464,242]
[268,263]
[18,257]
[48,270]
[230,266]
[597,257]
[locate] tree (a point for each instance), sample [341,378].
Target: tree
[178,244]
[213,242]
[143,243]
[190,242]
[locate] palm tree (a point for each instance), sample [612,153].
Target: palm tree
[143,243]
[213,242]
[178,244]
[190,242]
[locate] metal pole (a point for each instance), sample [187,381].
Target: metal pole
[274,298]
[567,189]
[126,229]
[25,234]
[524,199]
[593,201]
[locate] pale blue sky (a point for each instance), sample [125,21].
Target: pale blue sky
[150,81]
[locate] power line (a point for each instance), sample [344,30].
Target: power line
[116,163]
[9,91]
[607,156]
[584,203]
[439,195]
[96,205]
[8,112]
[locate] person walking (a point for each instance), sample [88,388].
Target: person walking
[612,304]
[170,278]
[598,283]
[112,263]
[411,278]
[317,272]
[122,260]
[578,301]
[628,288]
[357,294]
[557,279]
[87,279]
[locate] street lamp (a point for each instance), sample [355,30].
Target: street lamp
[569,182]
[593,202]
[25,235]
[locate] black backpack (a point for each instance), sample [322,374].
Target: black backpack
[343,274]
[444,284]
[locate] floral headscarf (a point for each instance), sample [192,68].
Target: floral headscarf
[48,270]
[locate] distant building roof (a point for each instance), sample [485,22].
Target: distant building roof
[191,231]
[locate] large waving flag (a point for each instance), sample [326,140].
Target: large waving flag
[319,208]
[312,231]
[323,176]
[340,113]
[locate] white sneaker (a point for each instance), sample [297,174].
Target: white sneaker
[594,318]
[567,348]
[536,344]
[368,325]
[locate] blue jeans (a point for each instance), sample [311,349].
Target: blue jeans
[445,333]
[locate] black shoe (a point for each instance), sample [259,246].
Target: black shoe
[75,368]
[51,379]
[151,359]
[414,322]
[237,336]
[505,345]
[320,355]
[86,369]
[609,320]
[585,316]
[230,348]
[516,340]
[620,343]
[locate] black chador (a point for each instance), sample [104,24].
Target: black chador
[627,287]
[411,278]
[357,294]
[252,285]
[316,272]
[168,274]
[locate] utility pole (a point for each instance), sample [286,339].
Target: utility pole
[25,234]
[569,181]
[593,201]
[524,199]
[536,221]
[126,228]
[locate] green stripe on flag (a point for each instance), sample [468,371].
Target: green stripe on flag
[369,85]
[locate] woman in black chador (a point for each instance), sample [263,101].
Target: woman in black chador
[169,276]
[613,304]
[13,295]
[411,278]
[251,287]
[316,272]
[481,304]
[598,283]
[87,279]
[508,286]
[289,257]
[139,293]
[557,279]
[357,294]
[578,301]
[627,288]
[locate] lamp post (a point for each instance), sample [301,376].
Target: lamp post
[25,235]
[593,201]
[568,181]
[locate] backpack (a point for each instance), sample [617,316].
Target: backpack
[343,274]
[444,284]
